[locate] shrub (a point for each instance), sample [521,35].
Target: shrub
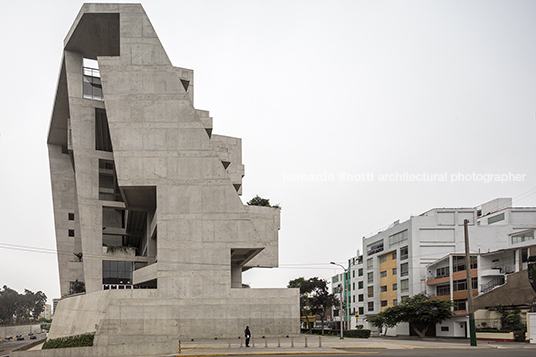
[71,341]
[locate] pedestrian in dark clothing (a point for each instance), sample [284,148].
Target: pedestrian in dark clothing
[247,335]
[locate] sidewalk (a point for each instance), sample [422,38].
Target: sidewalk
[330,345]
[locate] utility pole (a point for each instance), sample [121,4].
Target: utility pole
[472,331]
[342,314]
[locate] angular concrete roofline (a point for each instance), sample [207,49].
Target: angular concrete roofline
[101,8]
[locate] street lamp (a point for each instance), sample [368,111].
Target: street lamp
[343,316]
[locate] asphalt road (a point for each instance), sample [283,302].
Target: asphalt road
[432,353]
[7,346]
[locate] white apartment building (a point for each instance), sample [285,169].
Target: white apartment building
[353,293]
[396,259]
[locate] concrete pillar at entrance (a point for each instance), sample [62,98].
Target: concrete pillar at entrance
[236,277]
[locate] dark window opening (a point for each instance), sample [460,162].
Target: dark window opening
[117,272]
[108,187]
[71,216]
[71,232]
[103,142]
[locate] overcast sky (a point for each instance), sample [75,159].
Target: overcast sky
[332,99]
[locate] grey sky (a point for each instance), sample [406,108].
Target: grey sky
[315,89]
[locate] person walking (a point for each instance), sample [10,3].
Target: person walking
[247,335]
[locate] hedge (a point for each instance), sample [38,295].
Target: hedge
[347,333]
[71,341]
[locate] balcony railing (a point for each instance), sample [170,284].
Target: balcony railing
[492,283]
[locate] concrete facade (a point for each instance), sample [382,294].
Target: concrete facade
[397,260]
[146,199]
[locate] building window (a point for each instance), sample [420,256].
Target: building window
[404,298]
[384,303]
[116,272]
[353,273]
[383,288]
[458,263]
[383,274]
[524,255]
[71,216]
[71,232]
[393,256]
[353,286]
[394,271]
[370,291]
[398,238]
[461,285]
[370,277]
[369,264]
[404,269]
[497,218]
[444,328]
[395,286]
[404,286]
[360,297]
[395,302]
[103,142]
[442,272]
[360,272]
[108,187]
[375,247]
[404,253]
[92,86]
[335,279]
[443,290]
[459,304]
[371,306]
[523,237]
[353,298]
[383,259]
[360,285]
[361,311]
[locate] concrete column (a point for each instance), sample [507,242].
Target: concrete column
[236,277]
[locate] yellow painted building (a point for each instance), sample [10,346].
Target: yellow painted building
[388,280]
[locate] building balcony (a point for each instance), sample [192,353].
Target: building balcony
[436,281]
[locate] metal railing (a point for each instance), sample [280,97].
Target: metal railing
[492,283]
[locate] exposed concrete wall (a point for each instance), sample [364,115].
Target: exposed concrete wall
[198,236]
[18,330]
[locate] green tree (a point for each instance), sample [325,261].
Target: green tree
[258,201]
[20,308]
[321,299]
[418,310]
[305,289]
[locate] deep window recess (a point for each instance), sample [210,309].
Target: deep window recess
[370,278]
[103,141]
[384,303]
[395,287]
[71,232]
[371,306]
[108,188]
[375,247]
[360,297]
[116,272]
[360,285]
[361,311]
[444,328]
[360,272]
[370,291]
[71,216]
[92,86]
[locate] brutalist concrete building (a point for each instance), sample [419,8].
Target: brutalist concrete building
[146,200]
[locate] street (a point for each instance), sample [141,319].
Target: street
[7,346]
